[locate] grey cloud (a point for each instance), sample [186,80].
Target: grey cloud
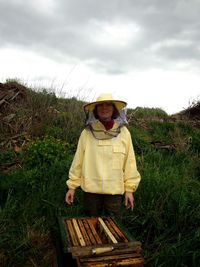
[66,34]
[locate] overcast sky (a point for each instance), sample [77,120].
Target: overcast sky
[146,52]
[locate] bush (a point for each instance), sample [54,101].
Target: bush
[42,179]
[148,113]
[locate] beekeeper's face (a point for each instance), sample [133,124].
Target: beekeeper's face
[105,111]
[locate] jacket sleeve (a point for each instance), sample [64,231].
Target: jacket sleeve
[131,175]
[75,172]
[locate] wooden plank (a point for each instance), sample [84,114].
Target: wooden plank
[112,230]
[78,232]
[119,248]
[89,232]
[125,260]
[107,231]
[121,235]
[96,236]
[110,257]
[72,234]
[64,234]
[84,232]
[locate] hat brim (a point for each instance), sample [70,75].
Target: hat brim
[118,104]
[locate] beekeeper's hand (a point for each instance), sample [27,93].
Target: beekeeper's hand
[69,197]
[129,200]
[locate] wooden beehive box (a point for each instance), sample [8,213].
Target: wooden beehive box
[100,242]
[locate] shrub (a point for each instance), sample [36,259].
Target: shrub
[148,113]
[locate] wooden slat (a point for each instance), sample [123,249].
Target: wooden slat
[112,231]
[110,257]
[96,236]
[69,241]
[72,233]
[118,231]
[107,231]
[105,261]
[78,232]
[89,232]
[84,232]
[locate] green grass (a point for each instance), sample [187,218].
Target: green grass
[166,215]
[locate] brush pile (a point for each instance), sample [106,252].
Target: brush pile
[12,96]
[191,114]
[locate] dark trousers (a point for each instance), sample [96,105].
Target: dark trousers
[102,205]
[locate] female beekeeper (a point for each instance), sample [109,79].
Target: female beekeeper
[104,164]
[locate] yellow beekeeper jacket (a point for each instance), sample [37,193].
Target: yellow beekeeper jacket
[104,166]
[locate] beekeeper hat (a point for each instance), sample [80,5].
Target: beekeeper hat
[119,104]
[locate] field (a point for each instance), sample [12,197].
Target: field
[38,138]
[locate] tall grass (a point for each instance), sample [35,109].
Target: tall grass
[167,212]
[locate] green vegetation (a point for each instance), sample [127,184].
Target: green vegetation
[37,146]
[148,113]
